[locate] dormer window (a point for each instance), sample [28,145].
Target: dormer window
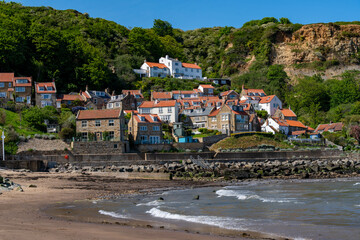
[142,118]
[50,88]
[155,119]
[21,81]
[41,88]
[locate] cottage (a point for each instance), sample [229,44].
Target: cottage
[45,94]
[197,118]
[229,118]
[161,96]
[285,114]
[331,127]
[167,111]
[274,125]
[270,104]
[170,67]
[70,100]
[230,95]
[99,125]
[125,101]
[206,90]
[17,89]
[96,99]
[251,92]
[145,128]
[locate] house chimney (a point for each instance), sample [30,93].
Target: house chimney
[113,93]
[243,87]
[107,90]
[167,56]
[87,88]
[145,61]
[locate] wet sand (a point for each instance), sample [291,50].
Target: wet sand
[31,214]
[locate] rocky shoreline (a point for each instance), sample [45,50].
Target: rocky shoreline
[235,170]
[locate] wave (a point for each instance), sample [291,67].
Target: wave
[358,183]
[152,203]
[112,214]
[223,222]
[242,196]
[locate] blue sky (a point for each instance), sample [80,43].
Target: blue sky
[192,14]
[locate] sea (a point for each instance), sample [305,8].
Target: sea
[295,209]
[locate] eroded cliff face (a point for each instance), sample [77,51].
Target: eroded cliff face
[336,45]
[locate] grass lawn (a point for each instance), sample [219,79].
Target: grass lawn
[247,142]
[13,119]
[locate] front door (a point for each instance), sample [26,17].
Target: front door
[99,136]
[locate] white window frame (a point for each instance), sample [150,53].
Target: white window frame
[97,123]
[156,128]
[143,128]
[111,122]
[84,123]
[20,89]
[169,110]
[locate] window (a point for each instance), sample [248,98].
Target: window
[143,138]
[19,99]
[21,81]
[176,64]
[169,110]
[83,123]
[160,110]
[20,89]
[111,135]
[213,119]
[117,104]
[186,69]
[111,122]
[165,117]
[223,82]
[9,84]
[143,128]
[156,128]
[3,94]
[41,89]
[197,70]
[2,85]
[46,103]
[97,123]
[110,105]
[50,88]
[95,100]
[224,117]
[192,70]
[225,126]
[45,96]
[84,136]
[145,110]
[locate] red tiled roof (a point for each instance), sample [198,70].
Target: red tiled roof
[98,114]
[184,92]
[331,126]
[29,84]
[288,112]
[227,93]
[214,113]
[151,104]
[148,118]
[68,97]
[159,65]
[267,99]
[10,89]
[190,65]
[293,123]
[296,133]
[130,111]
[132,92]
[6,77]
[206,86]
[86,95]
[45,85]
[161,95]
[259,91]
[281,122]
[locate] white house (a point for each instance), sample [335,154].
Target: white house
[168,111]
[275,125]
[170,67]
[270,104]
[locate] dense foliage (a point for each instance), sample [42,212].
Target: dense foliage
[77,50]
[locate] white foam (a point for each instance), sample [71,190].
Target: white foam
[242,196]
[152,203]
[358,183]
[112,214]
[223,222]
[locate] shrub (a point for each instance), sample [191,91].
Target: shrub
[2,117]
[66,133]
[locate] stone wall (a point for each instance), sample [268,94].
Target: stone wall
[100,147]
[212,139]
[189,146]
[153,147]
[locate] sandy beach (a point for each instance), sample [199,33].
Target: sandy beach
[25,215]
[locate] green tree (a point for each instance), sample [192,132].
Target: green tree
[162,28]
[285,21]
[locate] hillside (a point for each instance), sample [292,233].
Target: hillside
[273,54]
